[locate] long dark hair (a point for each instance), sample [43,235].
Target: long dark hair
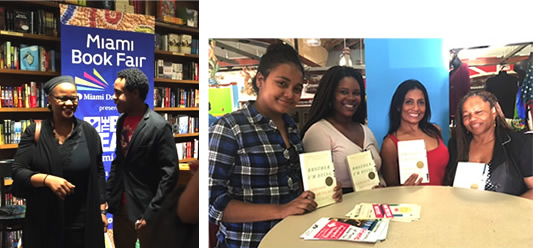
[462,136]
[322,104]
[395,111]
[277,54]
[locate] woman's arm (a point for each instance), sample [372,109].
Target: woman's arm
[389,158]
[237,211]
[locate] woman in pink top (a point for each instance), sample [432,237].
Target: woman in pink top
[409,117]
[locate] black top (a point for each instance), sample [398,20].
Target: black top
[504,87]
[45,214]
[76,168]
[511,162]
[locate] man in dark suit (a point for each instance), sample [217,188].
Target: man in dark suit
[145,168]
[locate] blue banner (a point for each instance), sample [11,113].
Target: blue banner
[93,57]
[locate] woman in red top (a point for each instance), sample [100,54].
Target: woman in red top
[409,117]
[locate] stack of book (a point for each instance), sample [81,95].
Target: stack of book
[347,229]
[396,212]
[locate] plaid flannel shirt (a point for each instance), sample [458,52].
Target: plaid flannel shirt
[249,162]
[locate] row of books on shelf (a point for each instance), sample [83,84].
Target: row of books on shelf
[187,150]
[182,43]
[176,97]
[182,124]
[16,206]
[11,131]
[176,71]
[27,57]
[29,21]
[28,95]
[12,200]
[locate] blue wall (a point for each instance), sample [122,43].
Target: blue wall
[389,62]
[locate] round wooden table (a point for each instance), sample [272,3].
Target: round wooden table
[450,217]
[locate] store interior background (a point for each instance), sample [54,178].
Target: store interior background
[384,64]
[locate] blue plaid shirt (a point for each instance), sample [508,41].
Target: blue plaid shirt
[248,162]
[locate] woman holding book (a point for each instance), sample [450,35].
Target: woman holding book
[254,172]
[409,117]
[481,135]
[58,168]
[337,122]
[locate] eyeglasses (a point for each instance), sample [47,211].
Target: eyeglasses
[66,98]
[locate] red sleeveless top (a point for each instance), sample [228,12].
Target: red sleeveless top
[437,161]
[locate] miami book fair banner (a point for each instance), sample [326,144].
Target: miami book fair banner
[95,45]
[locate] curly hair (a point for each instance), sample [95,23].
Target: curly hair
[462,136]
[135,79]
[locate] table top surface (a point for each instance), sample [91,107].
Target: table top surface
[450,217]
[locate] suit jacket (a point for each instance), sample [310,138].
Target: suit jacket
[149,171]
[510,164]
[44,222]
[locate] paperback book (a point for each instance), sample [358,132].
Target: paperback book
[362,171]
[318,175]
[471,175]
[412,158]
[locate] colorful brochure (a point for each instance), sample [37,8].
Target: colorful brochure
[471,175]
[412,158]
[347,229]
[318,175]
[396,212]
[362,171]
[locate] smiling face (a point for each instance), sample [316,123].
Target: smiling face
[478,115]
[347,97]
[280,91]
[413,107]
[63,100]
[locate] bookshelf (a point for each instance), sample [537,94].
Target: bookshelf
[188,81]
[15,78]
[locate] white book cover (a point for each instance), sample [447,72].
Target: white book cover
[412,158]
[318,175]
[362,170]
[470,175]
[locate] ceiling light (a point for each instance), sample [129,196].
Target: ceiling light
[345,57]
[313,42]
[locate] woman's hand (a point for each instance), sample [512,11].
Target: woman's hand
[105,221]
[338,192]
[379,186]
[300,205]
[59,186]
[412,180]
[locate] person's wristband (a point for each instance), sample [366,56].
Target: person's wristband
[45,178]
[103,211]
